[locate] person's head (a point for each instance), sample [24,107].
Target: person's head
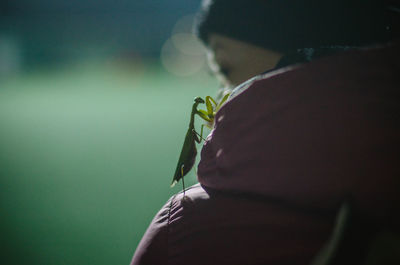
[234,61]
[247,37]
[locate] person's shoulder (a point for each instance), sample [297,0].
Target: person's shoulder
[360,64]
[260,79]
[155,245]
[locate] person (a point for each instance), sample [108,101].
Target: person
[311,122]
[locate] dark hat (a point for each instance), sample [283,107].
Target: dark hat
[284,25]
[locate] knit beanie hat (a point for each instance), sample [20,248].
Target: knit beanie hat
[285,25]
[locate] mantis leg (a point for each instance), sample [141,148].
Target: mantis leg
[198,137]
[210,107]
[201,132]
[222,101]
[183,181]
[205,115]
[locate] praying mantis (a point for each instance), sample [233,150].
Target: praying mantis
[188,154]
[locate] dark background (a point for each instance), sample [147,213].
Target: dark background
[61,30]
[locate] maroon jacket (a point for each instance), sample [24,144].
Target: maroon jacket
[286,150]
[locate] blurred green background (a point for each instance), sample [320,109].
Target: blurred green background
[91,129]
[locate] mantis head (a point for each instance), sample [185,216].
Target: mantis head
[199,100]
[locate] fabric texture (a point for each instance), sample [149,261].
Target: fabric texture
[286,150]
[210,227]
[313,134]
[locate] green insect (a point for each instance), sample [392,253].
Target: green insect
[188,154]
[189,151]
